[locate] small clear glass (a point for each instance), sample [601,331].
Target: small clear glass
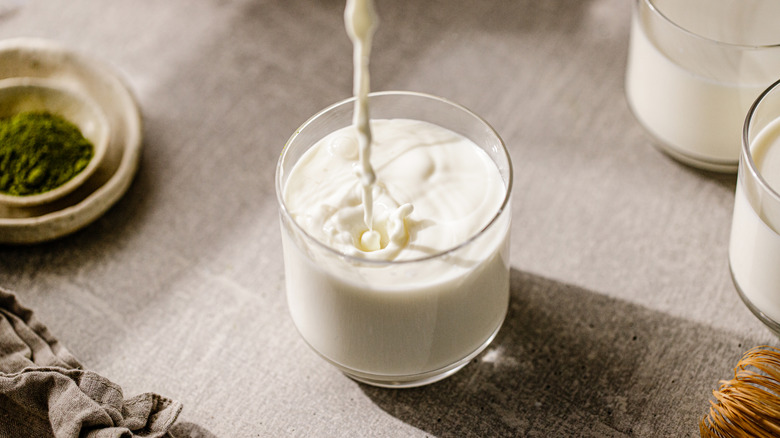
[694,68]
[754,248]
[398,323]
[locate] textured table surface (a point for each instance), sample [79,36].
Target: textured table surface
[623,316]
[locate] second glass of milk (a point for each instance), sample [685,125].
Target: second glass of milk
[754,250]
[400,322]
[694,68]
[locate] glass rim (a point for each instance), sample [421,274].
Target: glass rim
[364,260]
[747,154]
[651,5]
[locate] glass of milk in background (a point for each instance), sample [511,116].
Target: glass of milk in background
[754,250]
[694,68]
[398,323]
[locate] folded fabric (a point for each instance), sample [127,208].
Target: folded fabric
[45,392]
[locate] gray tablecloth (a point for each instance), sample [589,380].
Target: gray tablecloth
[45,392]
[623,316]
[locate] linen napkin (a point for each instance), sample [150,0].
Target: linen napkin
[45,392]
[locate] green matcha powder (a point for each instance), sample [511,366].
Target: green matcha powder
[40,151]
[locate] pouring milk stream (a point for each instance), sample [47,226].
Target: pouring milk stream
[361,21]
[426,182]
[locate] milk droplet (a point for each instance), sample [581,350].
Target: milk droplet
[344,147]
[370,240]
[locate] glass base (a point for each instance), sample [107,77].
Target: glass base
[413,380]
[697,161]
[711,166]
[773,325]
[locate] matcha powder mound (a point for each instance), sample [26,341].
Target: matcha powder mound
[40,151]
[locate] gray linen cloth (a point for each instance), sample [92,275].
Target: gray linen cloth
[44,392]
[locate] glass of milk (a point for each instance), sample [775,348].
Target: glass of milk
[754,249]
[409,321]
[694,68]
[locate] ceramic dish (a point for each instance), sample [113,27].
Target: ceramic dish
[19,95]
[65,69]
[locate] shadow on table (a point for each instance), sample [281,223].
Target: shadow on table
[726,180]
[572,362]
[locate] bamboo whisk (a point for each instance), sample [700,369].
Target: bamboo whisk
[749,404]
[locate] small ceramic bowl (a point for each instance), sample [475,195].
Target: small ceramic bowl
[31,94]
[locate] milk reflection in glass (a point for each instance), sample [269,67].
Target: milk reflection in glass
[695,67]
[754,252]
[410,298]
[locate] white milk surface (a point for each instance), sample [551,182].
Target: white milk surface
[754,251]
[689,114]
[434,190]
